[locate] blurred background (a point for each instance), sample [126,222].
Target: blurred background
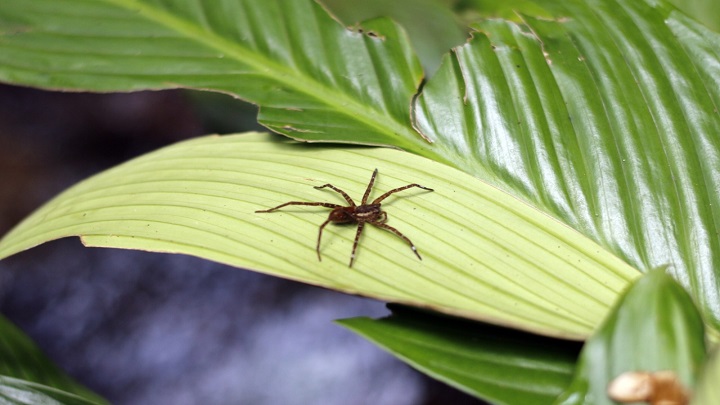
[147,328]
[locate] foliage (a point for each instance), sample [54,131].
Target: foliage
[655,316]
[577,140]
[28,377]
[499,365]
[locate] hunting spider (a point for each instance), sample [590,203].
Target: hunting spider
[357,214]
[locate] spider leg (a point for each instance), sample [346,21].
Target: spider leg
[320,204]
[361,225]
[369,187]
[398,233]
[386,195]
[344,194]
[317,248]
[382,218]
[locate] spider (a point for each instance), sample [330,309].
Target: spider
[356,214]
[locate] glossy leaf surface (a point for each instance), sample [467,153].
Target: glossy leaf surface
[15,391]
[313,78]
[486,255]
[655,327]
[606,117]
[498,365]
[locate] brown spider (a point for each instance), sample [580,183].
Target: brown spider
[359,214]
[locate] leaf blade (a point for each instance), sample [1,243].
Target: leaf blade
[706,392]
[654,327]
[491,363]
[345,85]
[602,117]
[28,376]
[199,197]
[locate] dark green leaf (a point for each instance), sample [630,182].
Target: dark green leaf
[606,117]
[27,376]
[313,78]
[14,391]
[499,365]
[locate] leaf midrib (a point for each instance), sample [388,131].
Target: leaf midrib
[402,136]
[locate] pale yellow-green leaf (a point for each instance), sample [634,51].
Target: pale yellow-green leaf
[486,255]
[706,391]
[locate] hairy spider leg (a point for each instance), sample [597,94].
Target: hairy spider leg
[386,195]
[344,194]
[317,248]
[382,218]
[360,227]
[398,233]
[378,221]
[369,187]
[317,204]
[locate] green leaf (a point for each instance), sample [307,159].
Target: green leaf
[498,365]
[604,116]
[431,25]
[511,10]
[599,113]
[655,327]
[14,391]
[706,391]
[486,255]
[701,10]
[27,376]
[313,78]
[601,116]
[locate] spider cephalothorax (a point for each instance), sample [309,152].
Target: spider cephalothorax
[371,213]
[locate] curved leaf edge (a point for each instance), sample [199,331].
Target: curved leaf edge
[73,204]
[419,339]
[654,327]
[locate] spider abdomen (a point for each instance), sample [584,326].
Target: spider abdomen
[342,215]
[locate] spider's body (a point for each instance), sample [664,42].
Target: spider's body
[367,213]
[360,214]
